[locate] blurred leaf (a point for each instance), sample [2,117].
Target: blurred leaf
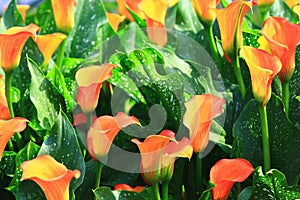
[62,144]
[29,152]
[12,17]
[57,79]
[44,96]
[246,193]
[280,9]
[284,138]
[273,185]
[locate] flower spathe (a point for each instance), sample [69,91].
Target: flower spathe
[52,177]
[103,131]
[63,11]
[48,44]
[225,173]
[282,39]
[132,5]
[263,68]
[230,25]
[129,188]
[200,111]
[158,153]
[8,129]
[90,81]
[12,43]
[204,9]
[4,110]
[114,20]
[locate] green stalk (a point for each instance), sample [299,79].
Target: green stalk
[286,96]
[165,190]
[212,44]
[198,171]
[8,79]
[98,176]
[89,119]
[265,137]
[156,191]
[239,75]
[60,53]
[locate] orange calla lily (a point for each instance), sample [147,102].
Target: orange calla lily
[158,155]
[4,110]
[263,68]
[225,173]
[48,44]
[103,132]
[230,24]
[8,129]
[133,5]
[12,43]
[53,177]
[22,10]
[90,81]
[283,38]
[129,188]
[114,20]
[155,12]
[200,111]
[63,11]
[204,9]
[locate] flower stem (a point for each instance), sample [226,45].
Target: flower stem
[198,171]
[8,89]
[212,44]
[286,96]
[156,191]
[98,175]
[165,190]
[89,119]
[60,53]
[265,137]
[239,75]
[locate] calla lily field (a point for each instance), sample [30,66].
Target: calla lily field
[150,100]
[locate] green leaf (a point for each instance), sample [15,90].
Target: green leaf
[7,170]
[29,152]
[108,194]
[89,17]
[246,193]
[280,9]
[62,144]
[273,185]
[44,96]
[12,17]
[284,138]
[56,78]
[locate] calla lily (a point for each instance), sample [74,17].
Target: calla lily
[129,188]
[103,132]
[158,153]
[8,129]
[133,5]
[225,173]
[53,177]
[263,68]
[204,9]
[294,5]
[90,81]
[4,110]
[12,43]
[283,38]
[63,11]
[200,111]
[230,24]
[22,10]
[114,20]
[48,44]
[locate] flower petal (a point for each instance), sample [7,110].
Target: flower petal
[227,171]
[53,177]
[263,68]
[48,44]
[12,43]
[114,20]
[8,129]
[157,32]
[200,111]
[129,188]
[154,9]
[204,10]
[103,132]
[63,11]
